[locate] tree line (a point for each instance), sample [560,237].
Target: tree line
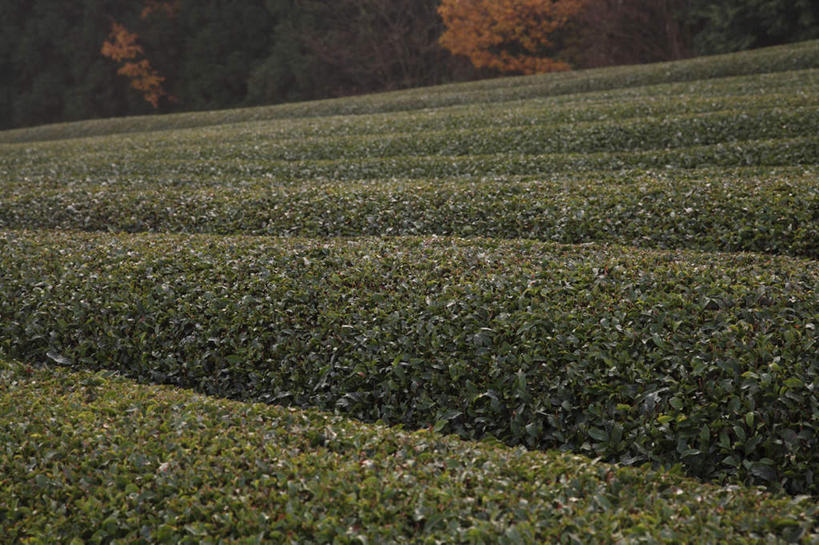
[64,61]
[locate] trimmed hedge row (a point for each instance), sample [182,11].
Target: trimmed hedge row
[793,57]
[651,102]
[638,356]
[175,467]
[771,212]
[252,153]
[153,170]
[616,135]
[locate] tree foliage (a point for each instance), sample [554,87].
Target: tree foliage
[122,47]
[226,53]
[169,9]
[734,25]
[507,35]
[616,32]
[324,49]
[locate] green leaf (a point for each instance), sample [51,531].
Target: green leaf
[58,358]
[598,435]
[764,472]
[794,383]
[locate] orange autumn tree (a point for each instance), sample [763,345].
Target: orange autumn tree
[507,35]
[122,47]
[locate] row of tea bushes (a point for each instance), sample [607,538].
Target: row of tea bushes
[621,104]
[771,212]
[250,151]
[708,360]
[92,458]
[616,135]
[156,170]
[794,57]
[748,94]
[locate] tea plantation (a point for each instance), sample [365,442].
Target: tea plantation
[603,285]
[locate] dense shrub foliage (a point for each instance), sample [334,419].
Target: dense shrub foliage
[318,256]
[702,359]
[774,211]
[174,467]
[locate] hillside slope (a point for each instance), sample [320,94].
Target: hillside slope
[793,57]
[621,263]
[680,155]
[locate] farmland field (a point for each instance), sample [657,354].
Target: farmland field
[604,285]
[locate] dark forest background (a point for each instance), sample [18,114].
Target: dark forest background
[228,53]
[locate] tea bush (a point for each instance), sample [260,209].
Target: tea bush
[709,360]
[636,343]
[775,211]
[175,467]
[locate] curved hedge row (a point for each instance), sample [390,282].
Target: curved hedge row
[174,467]
[771,212]
[638,356]
[610,143]
[617,135]
[154,170]
[651,102]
